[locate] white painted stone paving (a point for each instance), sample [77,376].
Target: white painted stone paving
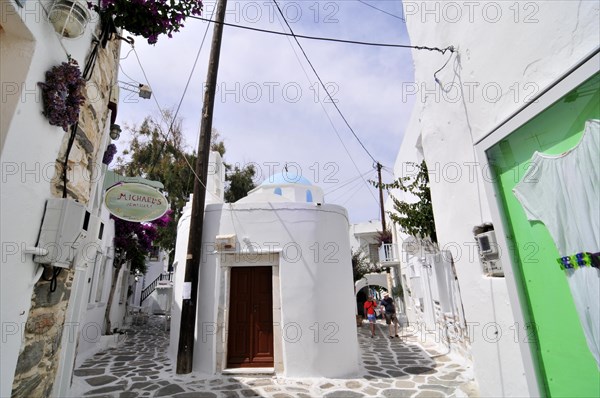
[139,367]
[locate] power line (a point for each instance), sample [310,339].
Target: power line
[362,43]
[322,84]
[129,77]
[340,186]
[352,196]
[389,172]
[125,57]
[327,114]
[165,137]
[187,84]
[383,11]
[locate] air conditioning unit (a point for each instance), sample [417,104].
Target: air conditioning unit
[488,246]
[225,242]
[64,228]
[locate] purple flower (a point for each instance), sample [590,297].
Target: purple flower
[109,153]
[149,18]
[62,94]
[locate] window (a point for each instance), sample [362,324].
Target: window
[309,198]
[277,191]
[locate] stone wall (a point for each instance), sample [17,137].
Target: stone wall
[38,361]
[93,121]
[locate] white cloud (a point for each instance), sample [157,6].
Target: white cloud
[272,112]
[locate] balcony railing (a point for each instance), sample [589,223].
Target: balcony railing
[388,253]
[152,286]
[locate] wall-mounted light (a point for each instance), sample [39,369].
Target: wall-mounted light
[143,90]
[69,17]
[115,131]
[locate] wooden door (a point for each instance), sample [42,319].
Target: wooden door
[250,334]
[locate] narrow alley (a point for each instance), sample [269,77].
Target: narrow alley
[139,367]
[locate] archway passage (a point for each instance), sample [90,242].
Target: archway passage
[250,335]
[363,293]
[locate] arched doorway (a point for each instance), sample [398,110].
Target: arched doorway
[375,284]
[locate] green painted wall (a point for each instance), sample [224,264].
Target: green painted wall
[568,367]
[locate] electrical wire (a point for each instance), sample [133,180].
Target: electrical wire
[329,192]
[353,187]
[129,77]
[165,137]
[441,50]
[388,170]
[383,11]
[187,84]
[146,77]
[328,116]
[353,195]
[125,57]
[439,70]
[321,81]
[86,75]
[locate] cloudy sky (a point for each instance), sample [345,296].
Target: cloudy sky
[270,109]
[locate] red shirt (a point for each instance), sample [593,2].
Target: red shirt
[370,307]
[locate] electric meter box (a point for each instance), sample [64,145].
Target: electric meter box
[64,228]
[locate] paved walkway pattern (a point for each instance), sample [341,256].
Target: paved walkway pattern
[139,367]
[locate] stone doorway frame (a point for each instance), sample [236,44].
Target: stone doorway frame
[225,262]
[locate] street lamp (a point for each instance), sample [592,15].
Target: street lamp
[69,17]
[115,131]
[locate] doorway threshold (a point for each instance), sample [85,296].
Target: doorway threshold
[249,371]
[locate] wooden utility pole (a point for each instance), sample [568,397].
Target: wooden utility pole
[185,350]
[379,166]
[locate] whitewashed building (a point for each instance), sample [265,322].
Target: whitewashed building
[42,310]
[275,292]
[523,77]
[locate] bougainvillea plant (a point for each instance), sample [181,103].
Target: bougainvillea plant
[134,240]
[63,94]
[149,18]
[109,154]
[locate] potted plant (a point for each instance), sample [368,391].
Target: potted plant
[384,236]
[148,18]
[62,94]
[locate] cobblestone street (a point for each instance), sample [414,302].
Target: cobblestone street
[139,367]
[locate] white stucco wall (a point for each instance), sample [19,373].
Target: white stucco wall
[315,286]
[507,52]
[362,234]
[92,317]
[28,154]
[183,228]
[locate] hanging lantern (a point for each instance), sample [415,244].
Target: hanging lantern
[69,17]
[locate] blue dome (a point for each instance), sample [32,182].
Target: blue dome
[291,177]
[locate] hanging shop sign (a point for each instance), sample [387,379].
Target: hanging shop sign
[132,201]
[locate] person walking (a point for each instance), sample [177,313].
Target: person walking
[390,315]
[369,313]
